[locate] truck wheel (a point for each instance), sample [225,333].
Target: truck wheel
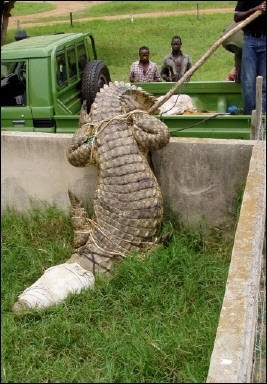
[95,75]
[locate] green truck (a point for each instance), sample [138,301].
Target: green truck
[45,80]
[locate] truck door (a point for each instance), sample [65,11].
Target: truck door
[16,114]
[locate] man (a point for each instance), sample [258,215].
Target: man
[144,70]
[253,52]
[176,63]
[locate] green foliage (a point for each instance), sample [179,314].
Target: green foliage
[153,320]
[118,41]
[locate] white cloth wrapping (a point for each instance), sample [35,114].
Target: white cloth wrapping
[56,284]
[177,105]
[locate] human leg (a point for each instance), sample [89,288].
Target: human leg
[261,52]
[249,73]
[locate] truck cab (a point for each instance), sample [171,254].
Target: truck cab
[45,80]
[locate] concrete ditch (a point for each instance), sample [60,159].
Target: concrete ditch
[199,179]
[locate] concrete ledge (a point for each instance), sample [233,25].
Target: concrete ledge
[232,356]
[199,178]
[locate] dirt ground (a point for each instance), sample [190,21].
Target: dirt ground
[63,8]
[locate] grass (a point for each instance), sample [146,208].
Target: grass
[118,41]
[154,320]
[22,8]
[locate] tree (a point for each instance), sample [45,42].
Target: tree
[6,7]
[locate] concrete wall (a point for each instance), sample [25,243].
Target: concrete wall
[199,178]
[232,356]
[34,168]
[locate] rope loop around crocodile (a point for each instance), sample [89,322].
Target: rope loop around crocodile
[101,125]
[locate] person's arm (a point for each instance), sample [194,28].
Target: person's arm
[232,75]
[242,15]
[131,77]
[189,64]
[164,72]
[156,74]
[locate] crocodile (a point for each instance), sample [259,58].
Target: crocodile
[116,136]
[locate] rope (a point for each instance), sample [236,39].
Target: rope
[199,122]
[107,236]
[100,126]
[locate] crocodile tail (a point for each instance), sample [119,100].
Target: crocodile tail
[80,221]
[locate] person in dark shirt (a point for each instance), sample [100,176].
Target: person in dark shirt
[176,63]
[253,52]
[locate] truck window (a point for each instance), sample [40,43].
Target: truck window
[13,83]
[61,69]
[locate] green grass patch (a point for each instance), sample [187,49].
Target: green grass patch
[22,8]
[118,41]
[153,320]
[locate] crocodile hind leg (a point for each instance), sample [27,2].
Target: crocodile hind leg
[80,221]
[70,277]
[54,286]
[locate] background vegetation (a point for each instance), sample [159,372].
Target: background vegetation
[118,41]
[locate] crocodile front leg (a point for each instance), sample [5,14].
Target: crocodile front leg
[80,151]
[149,132]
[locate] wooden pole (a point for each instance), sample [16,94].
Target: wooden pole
[259,80]
[210,51]
[256,129]
[253,125]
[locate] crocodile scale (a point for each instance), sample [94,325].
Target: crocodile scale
[116,136]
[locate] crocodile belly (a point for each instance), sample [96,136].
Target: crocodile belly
[128,206]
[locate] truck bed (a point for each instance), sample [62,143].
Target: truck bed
[211,100]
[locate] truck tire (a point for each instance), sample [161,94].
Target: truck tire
[95,75]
